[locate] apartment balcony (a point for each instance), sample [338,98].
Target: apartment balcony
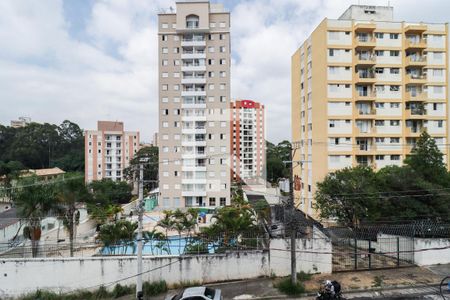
[193,93]
[365,160]
[193,155]
[188,80]
[415,79]
[198,193]
[193,67]
[414,131]
[365,27]
[416,113]
[417,96]
[366,95]
[193,55]
[365,132]
[416,60]
[415,28]
[194,181]
[366,113]
[193,42]
[365,60]
[193,105]
[194,130]
[365,42]
[193,118]
[193,143]
[415,44]
[365,77]
[365,149]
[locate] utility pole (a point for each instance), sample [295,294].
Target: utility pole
[291,220]
[139,294]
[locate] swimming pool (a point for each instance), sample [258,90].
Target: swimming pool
[174,245]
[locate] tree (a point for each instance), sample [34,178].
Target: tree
[70,150]
[151,237]
[404,194]
[71,193]
[427,161]
[34,202]
[231,223]
[150,167]
[106,192]
[276,155]
[348,195]
[44,145]
[166,224]
[118,235]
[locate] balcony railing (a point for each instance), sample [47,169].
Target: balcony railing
[416,58]
[418,111]
[366,74]
[194,39]
[193,89]
[416,76]
[363,93]
[416,43]
[365,38]
[194,64]
[369,111]
[367,57]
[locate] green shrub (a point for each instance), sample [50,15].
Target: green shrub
[121,290]
[80,295]
[197,248]
[101,293]
[41,295]
[285,286]
[302,276]
[154,288]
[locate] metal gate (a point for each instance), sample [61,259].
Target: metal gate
[359,254]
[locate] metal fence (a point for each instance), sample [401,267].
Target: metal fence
[359,254]
[49,250]
[376,246]
[175,245]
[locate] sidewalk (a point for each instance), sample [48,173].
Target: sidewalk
[356,285]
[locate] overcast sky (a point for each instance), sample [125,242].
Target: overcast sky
[87,60]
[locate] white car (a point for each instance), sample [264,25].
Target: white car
[197,293]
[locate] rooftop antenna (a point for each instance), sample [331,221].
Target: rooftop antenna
[171,9]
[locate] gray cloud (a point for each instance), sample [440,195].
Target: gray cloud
[47,74]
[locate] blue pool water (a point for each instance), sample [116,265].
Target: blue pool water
[175,245]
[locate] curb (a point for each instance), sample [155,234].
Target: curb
[372,290]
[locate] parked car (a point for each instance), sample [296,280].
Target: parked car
[197,293]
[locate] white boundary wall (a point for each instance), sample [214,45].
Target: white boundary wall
[424,249]
[431,257]
[20,276]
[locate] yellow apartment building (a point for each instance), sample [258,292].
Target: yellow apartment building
[364,87]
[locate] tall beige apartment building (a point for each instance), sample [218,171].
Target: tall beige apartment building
[364,87]
[194,98]
[108,150]
[248,141]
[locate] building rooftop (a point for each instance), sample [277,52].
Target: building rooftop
[109,126]
[47,172]
[368,13]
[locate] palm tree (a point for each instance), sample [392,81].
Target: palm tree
[114,236]
[232,222]
[127,233]
[109,235]
[189,222]
[166,223]
[70,193]
[152,236]
[34,201]
[103,214]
